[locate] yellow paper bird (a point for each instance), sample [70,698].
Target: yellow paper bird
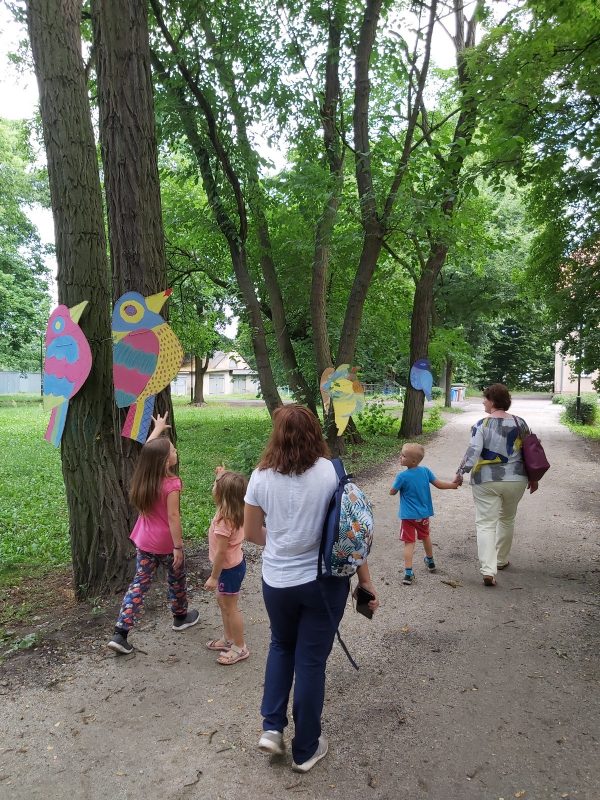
[342,387]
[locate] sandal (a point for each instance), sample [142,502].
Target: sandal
[489,580]
[219,644]
[233,655]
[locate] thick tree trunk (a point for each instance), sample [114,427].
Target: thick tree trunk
[92,468]
[200,367]
[420,326]
[129,156]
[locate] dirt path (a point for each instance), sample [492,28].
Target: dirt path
[463,692]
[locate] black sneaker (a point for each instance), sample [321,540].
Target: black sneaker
[409,577]
[181,623]
[119,644]
[430,564]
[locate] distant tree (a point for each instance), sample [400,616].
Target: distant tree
[24,301]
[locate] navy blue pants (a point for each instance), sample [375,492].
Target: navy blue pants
[302,634]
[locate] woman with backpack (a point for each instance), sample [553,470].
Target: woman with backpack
[289,493]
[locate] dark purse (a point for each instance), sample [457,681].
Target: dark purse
[534,457]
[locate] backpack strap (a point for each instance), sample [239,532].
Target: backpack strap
[337,630]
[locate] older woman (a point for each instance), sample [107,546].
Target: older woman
[498,479]
[289,492]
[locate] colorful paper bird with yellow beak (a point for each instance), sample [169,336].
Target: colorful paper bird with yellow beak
[147,356]
[341,387]
[66,366]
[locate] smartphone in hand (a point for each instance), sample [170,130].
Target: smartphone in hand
[363,597]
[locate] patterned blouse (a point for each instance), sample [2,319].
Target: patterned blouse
[494,453]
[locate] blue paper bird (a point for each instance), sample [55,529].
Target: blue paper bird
[421,377]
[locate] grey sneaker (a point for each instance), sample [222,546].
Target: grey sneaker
[181,623]
[409,577]
[320,753]
[271,742]
[119,644]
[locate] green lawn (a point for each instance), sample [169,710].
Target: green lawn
[33,512]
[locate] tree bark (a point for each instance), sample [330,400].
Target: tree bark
[130,159]
[200,367]
[92,468]
[449,367]
[412,414]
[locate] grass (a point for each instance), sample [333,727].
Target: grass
[33,510]
[587,431]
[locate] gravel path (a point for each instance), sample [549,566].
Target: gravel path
[463,692]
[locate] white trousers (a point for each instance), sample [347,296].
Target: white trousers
[495,511]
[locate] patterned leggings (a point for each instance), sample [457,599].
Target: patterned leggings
[146,565]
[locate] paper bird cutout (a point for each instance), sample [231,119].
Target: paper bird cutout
[421,377]
[146,357]
[67,364]
[342,387]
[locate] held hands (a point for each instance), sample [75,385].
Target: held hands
[458,480]
[211,584]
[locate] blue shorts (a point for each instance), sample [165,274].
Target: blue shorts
[230,580]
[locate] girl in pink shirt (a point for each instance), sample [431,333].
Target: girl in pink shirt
[225,537]
[157,535]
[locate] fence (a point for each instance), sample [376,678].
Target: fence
[20,383]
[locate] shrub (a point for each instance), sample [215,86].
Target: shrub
[588,410]
[375,419]
[437,392]
[432,421]
[246,456]
[558,399]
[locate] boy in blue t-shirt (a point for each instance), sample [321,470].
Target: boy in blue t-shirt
[416,506]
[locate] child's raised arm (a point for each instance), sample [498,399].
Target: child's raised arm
[160,425]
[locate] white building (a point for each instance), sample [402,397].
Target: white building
[227,373]
[565,375]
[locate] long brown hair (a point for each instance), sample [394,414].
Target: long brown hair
[228,491]
[296,441]
[149,472]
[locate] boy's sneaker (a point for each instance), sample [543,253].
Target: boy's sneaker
[409,577]
[181,623]
[119,644]
[271,742]
[429,563]
[320,753]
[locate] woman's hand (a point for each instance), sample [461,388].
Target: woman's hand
[368,586]
[211,584]
[532,486]
[458,479]
[177,558]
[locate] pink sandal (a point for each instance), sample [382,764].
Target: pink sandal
[233,655]
[219,644]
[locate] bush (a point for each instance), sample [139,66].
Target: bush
[558,399]
[375,419]
[432,421]
[246,456]
[588,410]
[437,392]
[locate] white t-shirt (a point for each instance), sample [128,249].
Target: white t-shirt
[295,508]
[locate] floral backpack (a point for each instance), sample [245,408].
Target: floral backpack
[348,528]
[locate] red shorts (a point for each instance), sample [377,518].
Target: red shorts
[413,529]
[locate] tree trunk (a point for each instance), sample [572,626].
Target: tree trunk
[92,468]
[448,382]
[200,367]
[420,326]
[129,156]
